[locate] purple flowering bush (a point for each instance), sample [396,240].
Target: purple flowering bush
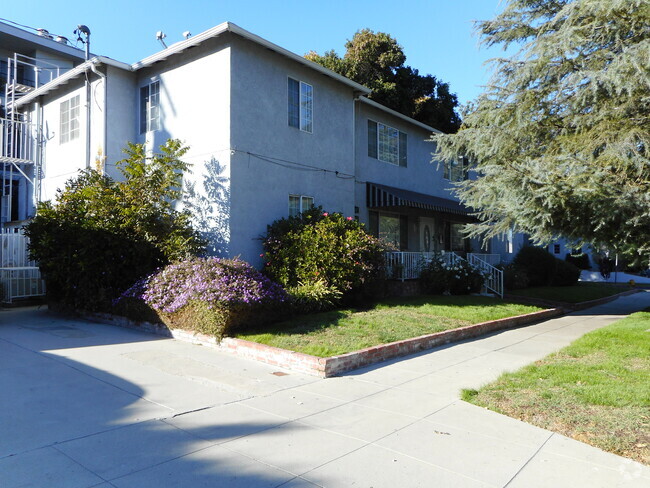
[210,295]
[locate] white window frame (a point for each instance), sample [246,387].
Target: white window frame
[305,106]
[69,126]
[456,170]
[301,203]
[150,123]
[397,147]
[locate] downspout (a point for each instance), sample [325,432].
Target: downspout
[87,84]
[94,69]
[38,155]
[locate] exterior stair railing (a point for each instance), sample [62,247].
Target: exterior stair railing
[493,276]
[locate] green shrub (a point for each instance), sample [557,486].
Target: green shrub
[580,260]
[566,274]
[211,295]
[538,264]
[102,235]
[514,278]
[460,278]
[313,297]
[319,246]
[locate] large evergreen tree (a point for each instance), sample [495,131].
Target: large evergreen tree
[376,60]
[560,137]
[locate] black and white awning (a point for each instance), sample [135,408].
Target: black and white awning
[378,196]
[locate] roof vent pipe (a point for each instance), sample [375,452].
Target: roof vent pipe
[44,33]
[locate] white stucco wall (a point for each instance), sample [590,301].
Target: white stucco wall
[195,108]
[122,115]
[62,161]
[271,159]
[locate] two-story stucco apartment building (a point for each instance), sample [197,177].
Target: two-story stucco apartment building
[270,134]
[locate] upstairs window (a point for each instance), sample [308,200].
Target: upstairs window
[150,107]
[69,121]
[387,144]
[299,204]
[301,105]
[456,169]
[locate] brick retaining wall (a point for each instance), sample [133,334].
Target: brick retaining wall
[331,366]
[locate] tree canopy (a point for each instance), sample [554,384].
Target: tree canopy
[560,137]
[376,60]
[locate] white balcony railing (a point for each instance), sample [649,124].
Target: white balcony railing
[17,141]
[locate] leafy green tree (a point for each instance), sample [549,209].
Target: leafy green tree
[560,137]
[376,60]
[102,235]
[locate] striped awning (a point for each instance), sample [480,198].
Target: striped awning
[378,196]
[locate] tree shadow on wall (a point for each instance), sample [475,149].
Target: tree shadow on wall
[208,200]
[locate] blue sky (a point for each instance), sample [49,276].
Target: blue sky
[437,35]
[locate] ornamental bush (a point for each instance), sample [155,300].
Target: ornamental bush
[102,235]
[459,278]
[566,274]
[580,260]
[538,263]
[317,246]
[514,278]
[210,295]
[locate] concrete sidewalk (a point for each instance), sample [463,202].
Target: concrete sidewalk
[86,404]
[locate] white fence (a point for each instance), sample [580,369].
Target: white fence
[19,276]
[408,265]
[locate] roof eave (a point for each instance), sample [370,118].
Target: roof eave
[422,125]
[235,29]
[68,76]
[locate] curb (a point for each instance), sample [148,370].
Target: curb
[334,365]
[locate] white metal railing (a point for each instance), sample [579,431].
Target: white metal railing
[22,282]
[17,141]
[14,250]
[493,277]
[19,275]
[491,259]
[408,265]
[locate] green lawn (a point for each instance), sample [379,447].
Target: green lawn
[597,390]
[341,331]
[582,292]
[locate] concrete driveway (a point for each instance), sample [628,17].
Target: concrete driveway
[85,404]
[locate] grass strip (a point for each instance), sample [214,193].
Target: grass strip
[342,331]
[597,390]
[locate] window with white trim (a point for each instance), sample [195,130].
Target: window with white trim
[150,107]
[301,105]
[69,121]
[456,169]
[387,144]
[299,204]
